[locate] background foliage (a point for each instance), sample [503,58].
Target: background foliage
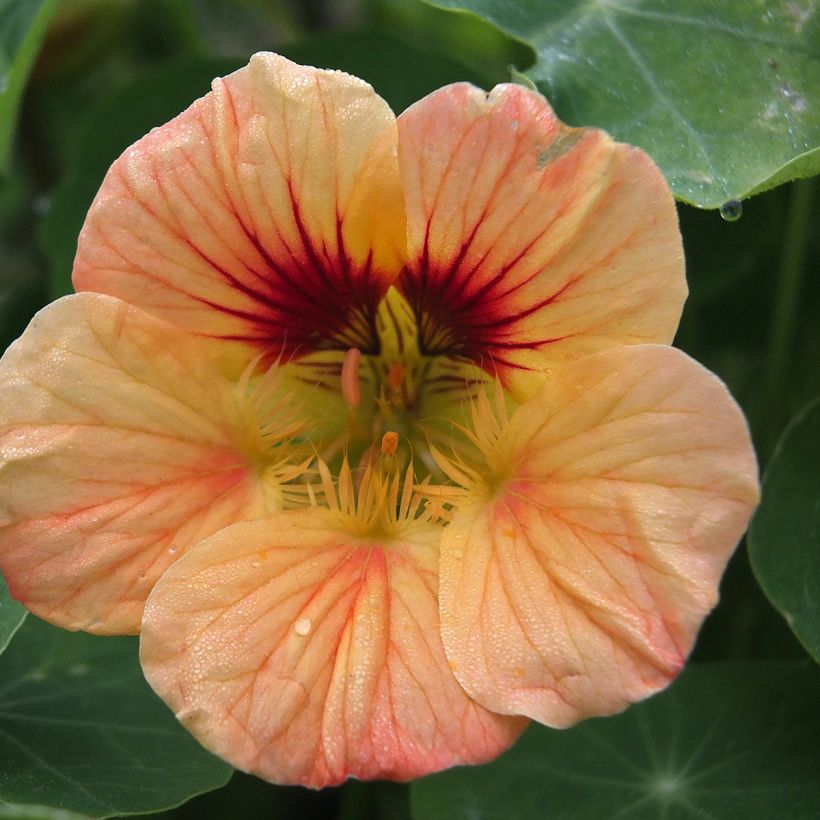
[723,94]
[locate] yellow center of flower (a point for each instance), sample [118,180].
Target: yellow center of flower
[381,413]
[419,398]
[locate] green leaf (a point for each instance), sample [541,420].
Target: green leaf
[80,729]
[721,93]
[726,740]
[13,811]
[12,616]
[784,539]
[23,25]
[122,117]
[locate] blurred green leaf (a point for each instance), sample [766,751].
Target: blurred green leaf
[784,539]
[400,73]
[726,740]
[81,730]
[23,25]
[22,271]
[721,93]
[258,800]
[12,616]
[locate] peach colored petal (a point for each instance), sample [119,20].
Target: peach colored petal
[575,581]
[304,654]
[268,213]
[531,242]
[119,447]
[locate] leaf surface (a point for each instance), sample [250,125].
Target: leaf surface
[720,93]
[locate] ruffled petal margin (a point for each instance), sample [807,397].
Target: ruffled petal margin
[120,446]
[269,213]
[529,242]
[575,581]
[303,654]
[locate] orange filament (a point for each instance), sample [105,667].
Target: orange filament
[395,377]
[350,377]
[390,442]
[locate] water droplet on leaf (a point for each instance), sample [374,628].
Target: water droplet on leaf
[302,626]
[732,210]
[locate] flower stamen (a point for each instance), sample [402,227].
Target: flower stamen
[351,389]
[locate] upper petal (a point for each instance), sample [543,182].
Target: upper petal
[269,212]
[575,580]
[120,446]
[304,654]
[530,242]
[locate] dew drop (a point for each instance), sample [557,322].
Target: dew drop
[142,575]
[302,626]
[457,554]
[732,210]
[172,549]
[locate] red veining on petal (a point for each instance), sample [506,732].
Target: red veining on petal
[318,658]
[530,242]
[269,213]
[312,299]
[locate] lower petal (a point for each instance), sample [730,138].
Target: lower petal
[576,575]
[303,654]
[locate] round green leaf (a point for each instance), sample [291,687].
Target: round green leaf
[784,539]
[726,740]
[81,731]
[721,93]
[12,615]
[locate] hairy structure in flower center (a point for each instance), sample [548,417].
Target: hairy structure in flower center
[355,397]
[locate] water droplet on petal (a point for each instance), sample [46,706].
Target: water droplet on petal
[732,210]
[302,626]
[142,575]
[457,553]
[172,549]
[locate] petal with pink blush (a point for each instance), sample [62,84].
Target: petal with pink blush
[304,654]
[120,446]
[575,580]
[269,213]
[530,242]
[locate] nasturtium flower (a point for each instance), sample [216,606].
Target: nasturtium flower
[371,427]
